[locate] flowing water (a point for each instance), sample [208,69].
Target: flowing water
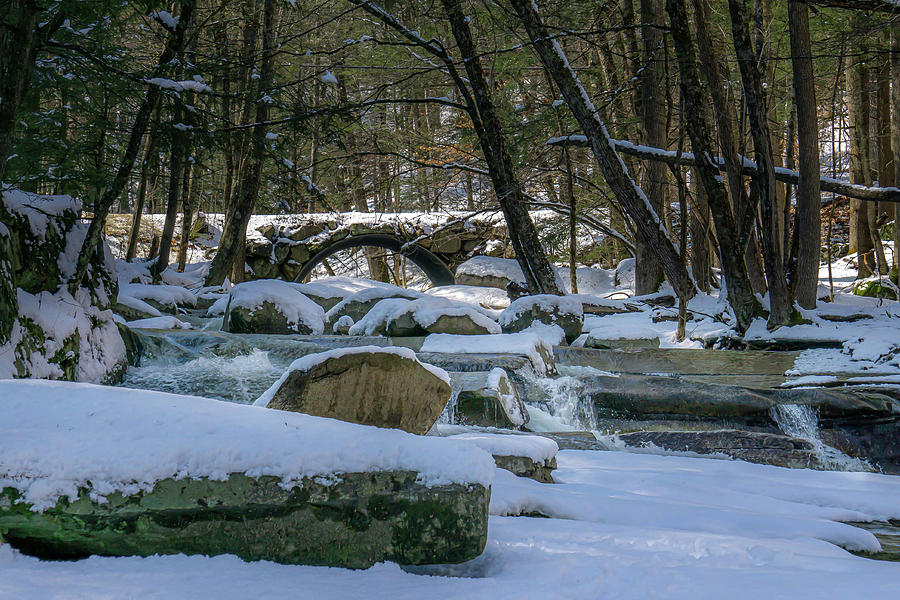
[801,421]
[238,368]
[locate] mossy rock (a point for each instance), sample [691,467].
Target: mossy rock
[352,520]
[268,318]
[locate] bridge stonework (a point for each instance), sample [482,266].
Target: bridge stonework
[284,247]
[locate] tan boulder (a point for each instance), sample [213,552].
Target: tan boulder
[384,387]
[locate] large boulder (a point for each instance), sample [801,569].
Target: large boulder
[564,311]
[272,306]
[385,387]
[357,305]
[400,317]
[489,271]
[46,329]
[135,472]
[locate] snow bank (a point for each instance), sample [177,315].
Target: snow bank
[167,295]
[653,557]
[531,343]
[425,311]
[537,448]
[305,363]
[163,322]
[546,303]
[296,307]
[486,297]
[123,440]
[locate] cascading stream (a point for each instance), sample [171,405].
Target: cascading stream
[800,421]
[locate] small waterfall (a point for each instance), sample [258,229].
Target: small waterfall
[564,399]
[448,417]
[800,421]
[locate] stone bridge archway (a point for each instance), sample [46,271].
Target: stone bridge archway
[433,267]
[290,246]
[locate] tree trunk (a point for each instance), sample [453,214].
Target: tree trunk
[174,44]
[231,244]
[18,49]
[177,163]
[808,224]
[740,292]
[149,156]
[715,70]
[781,306]
[539,275]
[860,163]
[648,274]
[895,134]
[629,195]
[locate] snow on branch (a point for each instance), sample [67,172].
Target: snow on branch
[748,167]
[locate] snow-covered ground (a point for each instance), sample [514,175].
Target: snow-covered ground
[623,526]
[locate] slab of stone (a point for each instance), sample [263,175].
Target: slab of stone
[488,399]
[755,447]
[380,387]
[678,361]
[353,520]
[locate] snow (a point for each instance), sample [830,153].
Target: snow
[425,311]
[539,449]
[531,343]
[486,297]
[39,209]
[162,322]
[490,266]
[373,293]
[167,295]
[627,526]
[123,440]
[308,362]
[166,17]
[547,303]
[329,78]
[296,307]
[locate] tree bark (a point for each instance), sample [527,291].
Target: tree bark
[648,274]
[19,43]
[231,244]
[740,292]
[781,306]
[174,44]
[539,274]
[808,224]
[629,195]
[858,108]
[895,135]
[149,157]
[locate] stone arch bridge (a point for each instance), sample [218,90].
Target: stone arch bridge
[290,246]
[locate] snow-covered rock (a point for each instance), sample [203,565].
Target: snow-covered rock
[141,472]
[163,322]
[564,311]
[46,330]
[385,387]
[535,343]
[490,271]
[485,297]
[358,304]
[272,306]
[162,297]
[488,400]
[402,317]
